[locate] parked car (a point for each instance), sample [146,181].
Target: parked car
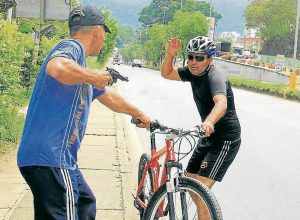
[246,54]
[136,62]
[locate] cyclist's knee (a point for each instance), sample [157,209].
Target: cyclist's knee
[206,181]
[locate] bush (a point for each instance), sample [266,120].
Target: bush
[256,63]
[11,124]
[17,74]
[14,48]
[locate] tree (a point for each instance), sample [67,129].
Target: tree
[159,11]
[14,48]
[131,52]
[162,11]
[154,48]
[260,14]
[125,36]
[110,41]
[275,20]
[201,6]
[187,25]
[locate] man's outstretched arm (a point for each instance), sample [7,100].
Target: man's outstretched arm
[69,72]
[117,103]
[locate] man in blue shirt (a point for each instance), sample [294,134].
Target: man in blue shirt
[57,118]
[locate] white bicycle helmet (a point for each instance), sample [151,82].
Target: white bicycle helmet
[201,44]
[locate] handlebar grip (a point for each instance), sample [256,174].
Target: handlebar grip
[201,131]
[136,121]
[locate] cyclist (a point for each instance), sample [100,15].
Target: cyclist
[57,118]
[214,99]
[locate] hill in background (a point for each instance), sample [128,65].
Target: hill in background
[126,11]
[232,15]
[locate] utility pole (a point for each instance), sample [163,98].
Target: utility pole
[38,35]
[181,5]
[296,35]
[164,9]
[210,10]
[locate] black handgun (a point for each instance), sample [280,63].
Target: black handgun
[115,75]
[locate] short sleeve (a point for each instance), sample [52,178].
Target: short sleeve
[98,92]
[185,73]
[217,82]
[69,50]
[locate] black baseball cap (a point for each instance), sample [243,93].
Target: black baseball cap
[87,15]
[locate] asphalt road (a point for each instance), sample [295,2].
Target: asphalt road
[264,180]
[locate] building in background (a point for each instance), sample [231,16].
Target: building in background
[233,36]
[250,33]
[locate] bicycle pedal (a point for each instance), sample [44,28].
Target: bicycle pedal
[136,204]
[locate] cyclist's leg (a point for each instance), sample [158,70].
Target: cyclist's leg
[218,159]
[212,159]
[197,161]
[86,200]
[202,210]
[206,181]
[213,166]
[53,195]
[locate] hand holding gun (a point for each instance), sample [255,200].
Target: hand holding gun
[115,75]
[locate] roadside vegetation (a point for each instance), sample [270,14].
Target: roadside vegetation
[277,89]
[161,20]
[277,32]
[20,60]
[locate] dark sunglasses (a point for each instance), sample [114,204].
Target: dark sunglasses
[198,58]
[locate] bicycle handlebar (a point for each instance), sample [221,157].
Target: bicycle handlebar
[155,125]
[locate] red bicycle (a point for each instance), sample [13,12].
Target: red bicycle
[168,193]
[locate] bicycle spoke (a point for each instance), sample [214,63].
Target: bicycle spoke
[188,205]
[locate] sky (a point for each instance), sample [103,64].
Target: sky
[232,15]
[126,11]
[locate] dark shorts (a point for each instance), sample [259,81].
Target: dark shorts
[59,194]
[212,159]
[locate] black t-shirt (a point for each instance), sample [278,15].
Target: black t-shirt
[205,87]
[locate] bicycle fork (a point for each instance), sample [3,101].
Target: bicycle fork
[174,170]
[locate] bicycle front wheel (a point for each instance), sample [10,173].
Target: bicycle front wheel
[192,200]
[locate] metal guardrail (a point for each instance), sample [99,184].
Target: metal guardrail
[250,72]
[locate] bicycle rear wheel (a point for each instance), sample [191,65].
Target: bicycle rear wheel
[184,205]
[148,189]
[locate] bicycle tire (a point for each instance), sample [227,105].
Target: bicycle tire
[184,184]
[146,193]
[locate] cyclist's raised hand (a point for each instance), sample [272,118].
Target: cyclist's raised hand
[173,47]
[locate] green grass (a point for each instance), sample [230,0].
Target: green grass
[279,89]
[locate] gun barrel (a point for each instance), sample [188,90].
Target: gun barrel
[116,75]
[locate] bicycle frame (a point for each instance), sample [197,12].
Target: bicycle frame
[154,166]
